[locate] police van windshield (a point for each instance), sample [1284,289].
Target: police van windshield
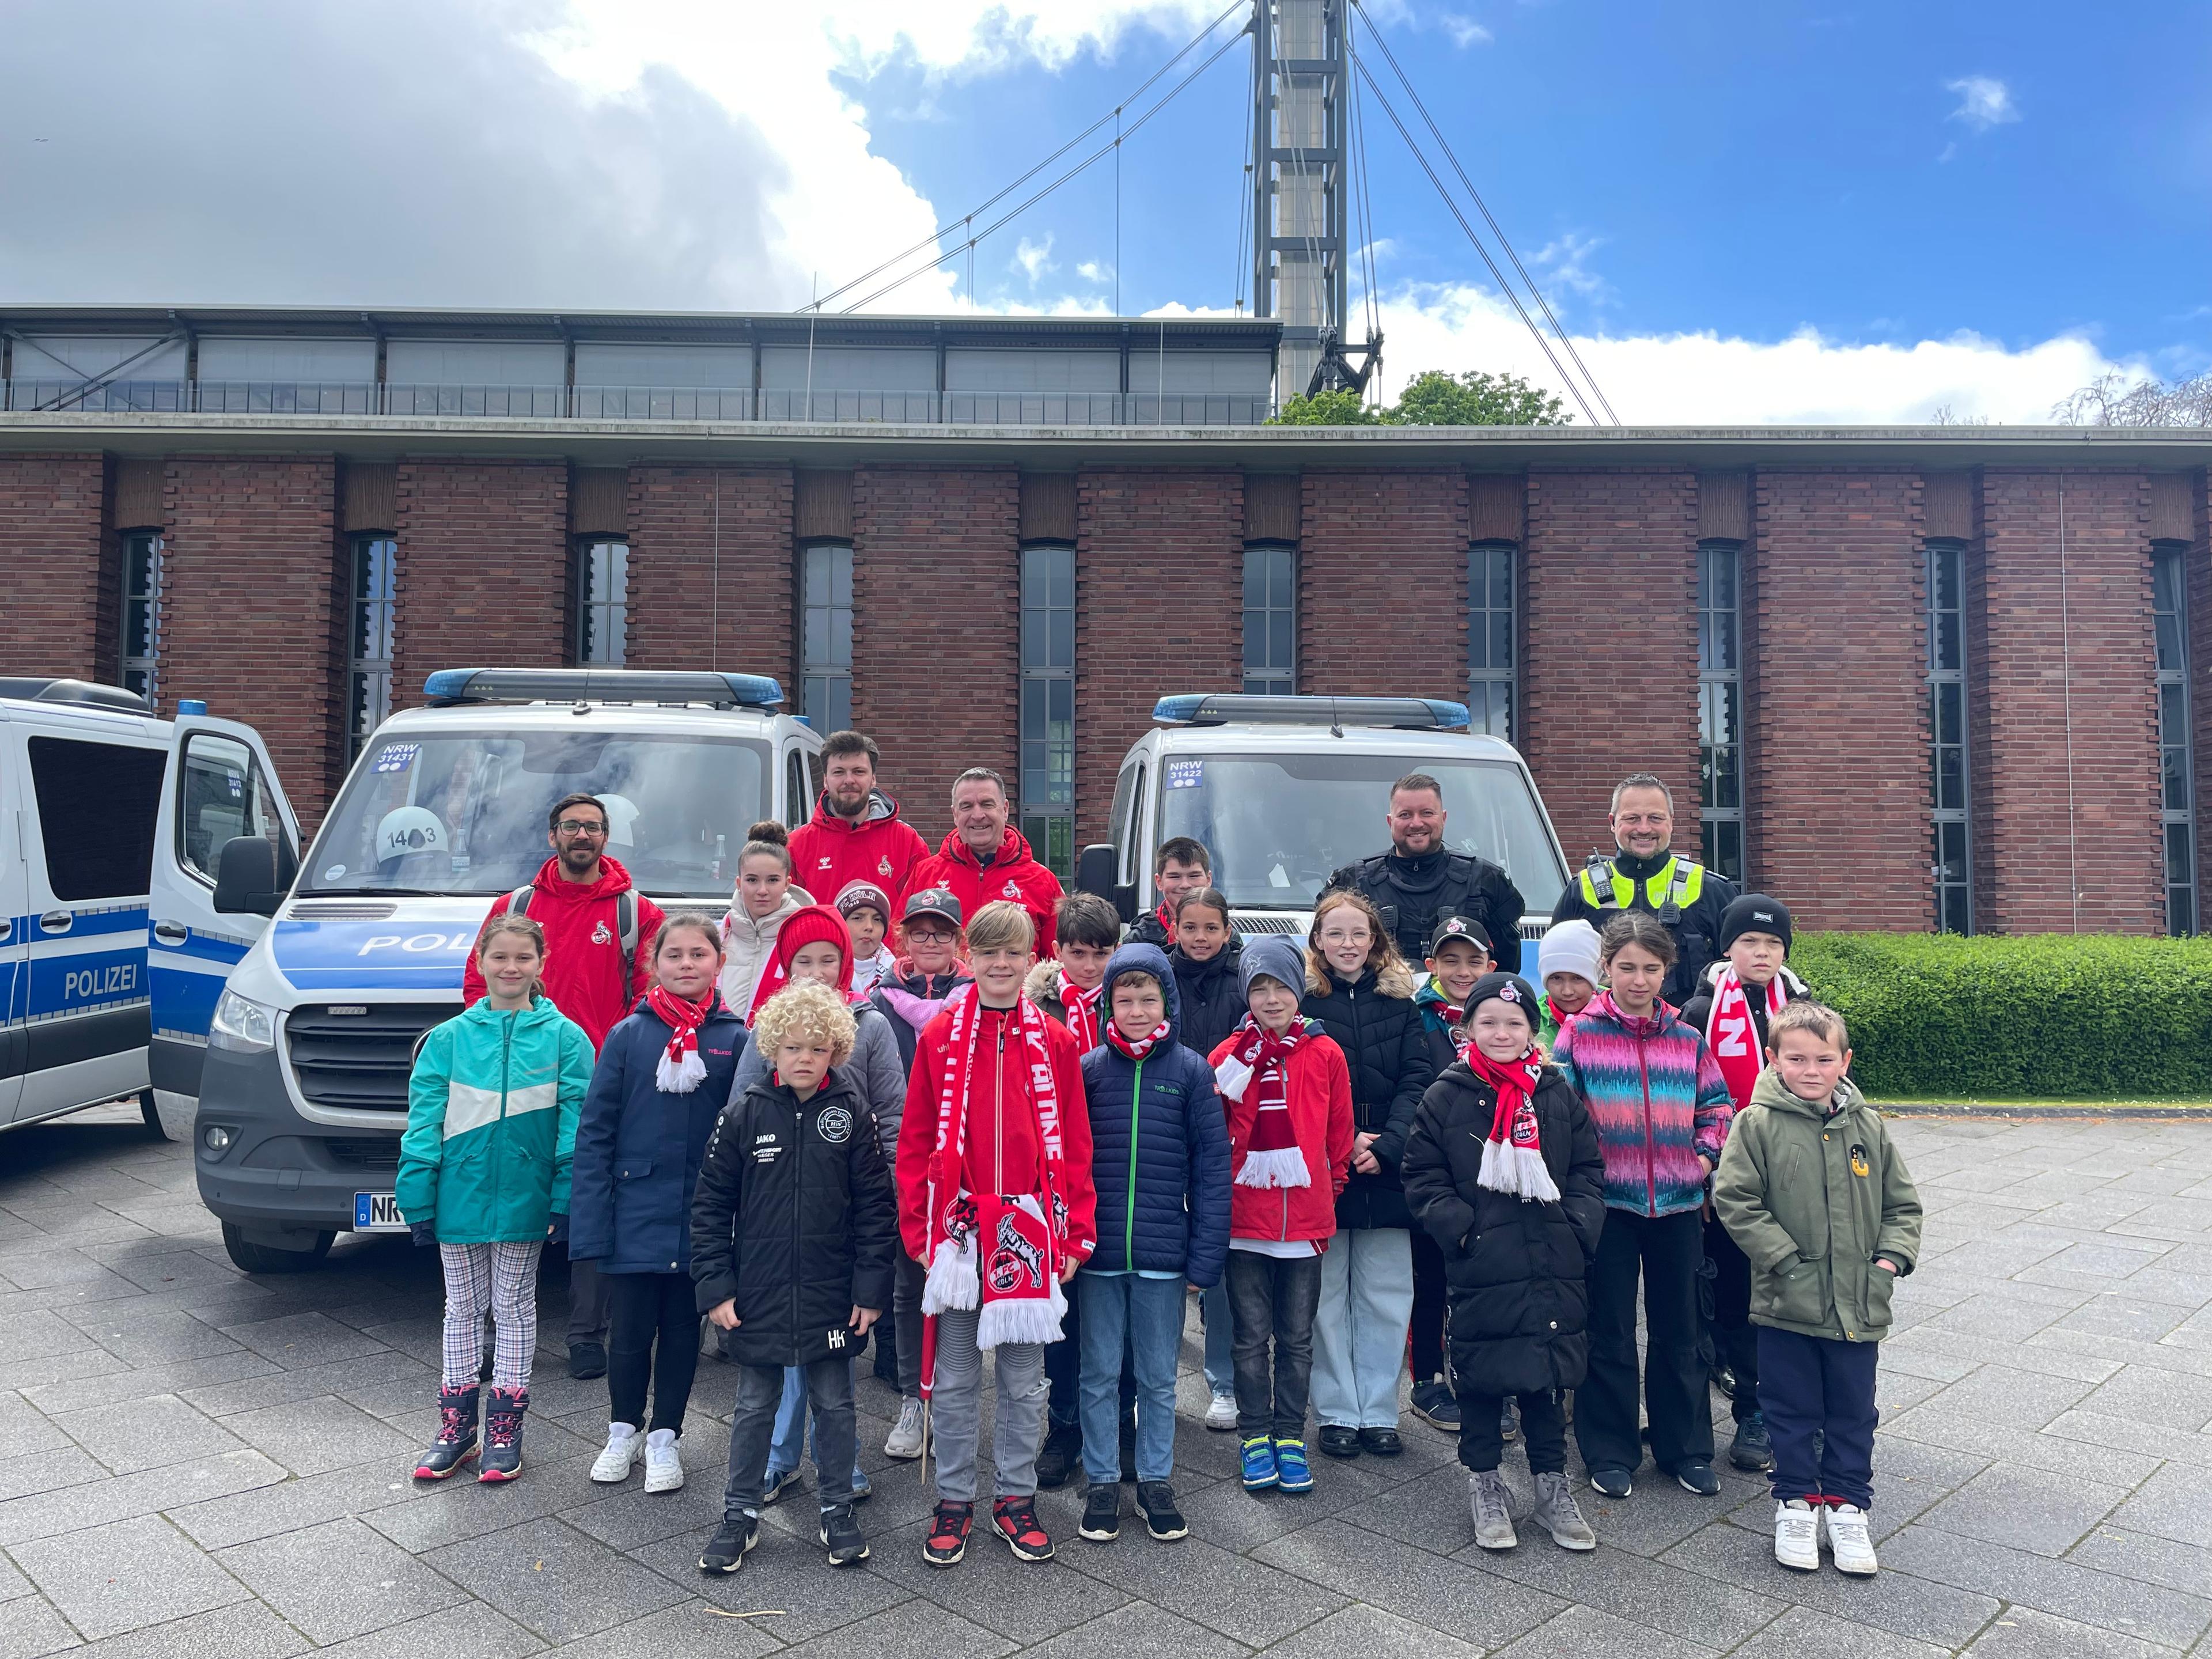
[464,812]
[1279,824]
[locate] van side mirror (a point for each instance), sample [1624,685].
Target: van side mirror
[1095,870]
[248,877]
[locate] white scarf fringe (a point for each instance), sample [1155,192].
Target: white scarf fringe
[953,1284]
[672,1079]
[1285,1166]
[1520,1171]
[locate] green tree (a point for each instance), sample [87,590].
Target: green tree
[1328,408]
[1434,397]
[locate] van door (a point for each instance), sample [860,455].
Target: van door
[15,925]
[91,790]
[219,785]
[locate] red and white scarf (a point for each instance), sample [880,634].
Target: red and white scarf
[1139,1048]
[1080,1010]
[1512,1157]
[1260,1063]
[680,1070]
[1002,1252]
[1733,1035]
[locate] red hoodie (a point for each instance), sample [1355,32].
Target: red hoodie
[583,946]
[1320,1088]
[1003,1154]
[828,851]
[1013,873]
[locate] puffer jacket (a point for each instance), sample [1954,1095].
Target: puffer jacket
[1320,1091]
[747,944]
[1159,1147]
[492,1124]
[794,1221]
[1212,1003]
[910,1000]
[1657,1098]
[1812,1197]
[1387,1047]
[876,1071]
[1515,1271]
[638,1149]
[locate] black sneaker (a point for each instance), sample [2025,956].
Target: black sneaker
[1722,1376]
[1509,1422]
[587,1360]
[1162,1518]
[1382,1443]
[1057,1457]
[1695,1475]
[1102,1514]
[1752,1450]
[841,1536]
[948,1533]
[1611,1482]
[1436,1404]
[726,1551]
[1337,1440]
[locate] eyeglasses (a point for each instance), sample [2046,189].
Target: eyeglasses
[580,827]
[928,936]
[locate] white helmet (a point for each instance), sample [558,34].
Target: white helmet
[407,830]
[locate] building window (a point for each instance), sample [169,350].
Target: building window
[825,666]
[1720,707]
[141,612]
[1953,868]
[1490,675]
[368,638]
[603,602]
[1271,628]
[2177,783]
[1048,786]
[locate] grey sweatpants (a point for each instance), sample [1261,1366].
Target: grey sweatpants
[957,1411]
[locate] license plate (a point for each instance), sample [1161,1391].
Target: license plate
[377,1213]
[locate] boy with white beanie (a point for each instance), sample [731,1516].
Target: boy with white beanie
[1567,963]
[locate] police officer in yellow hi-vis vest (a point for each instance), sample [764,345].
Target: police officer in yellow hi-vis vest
[1645,874]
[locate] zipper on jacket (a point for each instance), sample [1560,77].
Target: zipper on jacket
[1129,1224]
[506,1052]
[1650,1146]
[998,1117]
[797,1206]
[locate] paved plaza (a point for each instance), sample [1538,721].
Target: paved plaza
[196,1463]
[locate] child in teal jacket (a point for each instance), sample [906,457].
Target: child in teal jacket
[484,1174]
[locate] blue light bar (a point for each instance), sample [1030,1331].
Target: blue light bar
[1224,708]
[674,686]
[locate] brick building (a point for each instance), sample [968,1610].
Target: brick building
[1904,677]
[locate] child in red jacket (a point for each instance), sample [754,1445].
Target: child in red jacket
[995,1201]
[1288,1094]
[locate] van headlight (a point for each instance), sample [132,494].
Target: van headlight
[241,1026]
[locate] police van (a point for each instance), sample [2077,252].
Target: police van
[112,825]
[301,1080]
[1284,791]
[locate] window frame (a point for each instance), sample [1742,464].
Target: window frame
[97,805]
[1720,692]
[2170,558]
[257,792]
[836,681]
[1048,812]
[1952,899]
[142,549]
[1269,677]
[371,619]
[1488,682]
[611,610]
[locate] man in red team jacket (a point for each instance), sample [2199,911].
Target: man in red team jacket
[985,859]
[856,833]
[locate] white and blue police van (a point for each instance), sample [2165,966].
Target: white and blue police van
[111,950]
[1284,791]
[302,1092]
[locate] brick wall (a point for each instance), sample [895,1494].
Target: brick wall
[54,557]
[710,569]
[2037,860]
[1610,662]
[1159,576]
[251,618]
[936,615]
[484,568]
[2197,576]
[1382,585]
[1837,759]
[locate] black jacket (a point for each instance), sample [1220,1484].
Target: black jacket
[1698,1011]
[793,1219]
[1412,893]
[1386,1047]
[1695,934]
[1211,1002]
[1515,1270]
[1149,928]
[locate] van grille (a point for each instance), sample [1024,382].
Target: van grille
[372,1153]
[1259,921]
[359,1061]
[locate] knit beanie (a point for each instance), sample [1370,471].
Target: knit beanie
[1270,957]
[814,925]
[1755,913]
[1507,987]
[1569,947]
[858,894]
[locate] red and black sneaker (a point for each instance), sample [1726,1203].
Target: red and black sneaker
[948,1533]
[1016,1518]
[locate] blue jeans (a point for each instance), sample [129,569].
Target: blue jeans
[1220,1337]
[1147,1313]
[784,1450]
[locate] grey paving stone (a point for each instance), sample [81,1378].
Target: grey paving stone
[1364,1632]
[287,1505]
[2165,1397]
[2024,1633]
[2134,1318]
[244,1630]
[2135,1434]
[472,1630]
[315,1435]
[1666,1598]
[125,1383]
[1800,1632]
[143,1338]
[45,1269]
[784,1572]
[29,1626]
[25,1430]
[2170,1504]
[2110,1603]
[382,1368]
[47,1471]
[72,1509]
[1977,1434]
[167,1268]
[126,1575]
[2025,1508]
[1137,1631]
[1473,1606]
[39,1335]
[991,1587]
[1586,1633]
[39,1369]
[447,1512]
[1243,1599]
[2155,1560]
[339,1580]
[303,1340]
[916,1629]
[2003,1318]
[2022,1398]
[148,1434]
[1894,1601]
[554,1580]
[12,1583]
[690,1630]
[629,1518]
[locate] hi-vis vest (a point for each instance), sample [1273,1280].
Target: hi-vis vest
[1672,890]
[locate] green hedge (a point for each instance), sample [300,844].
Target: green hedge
[2043,1016]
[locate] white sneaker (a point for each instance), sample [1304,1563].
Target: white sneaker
[1849,1542]
[1797,1535]
[625,1445]
[664,1469]
[1221,1412]
[904,1441]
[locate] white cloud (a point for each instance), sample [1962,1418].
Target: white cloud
[1464,32]
[1095,270]
[1563,263]
[1034,259]
[1984,103]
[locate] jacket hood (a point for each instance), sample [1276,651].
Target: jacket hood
[1771,1092]
[737,924]
[881,808]
[1013,848]
[549,880]
[541,1011]
[811,924]
[1224,961]
[1142,959]
[1043,980]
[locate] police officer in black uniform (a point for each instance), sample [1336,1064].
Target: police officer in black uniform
[1645,874]
[1418,882]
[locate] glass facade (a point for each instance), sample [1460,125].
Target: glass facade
[1047,779]
[139,669]
[1953,863]
[1720,706]
[826,637]
[1490,661]
[1271,621]
[368,637]
[2176,779]
[603,603]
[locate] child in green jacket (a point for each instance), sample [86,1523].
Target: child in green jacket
[484,1175]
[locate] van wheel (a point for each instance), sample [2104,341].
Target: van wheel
[267,1259]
